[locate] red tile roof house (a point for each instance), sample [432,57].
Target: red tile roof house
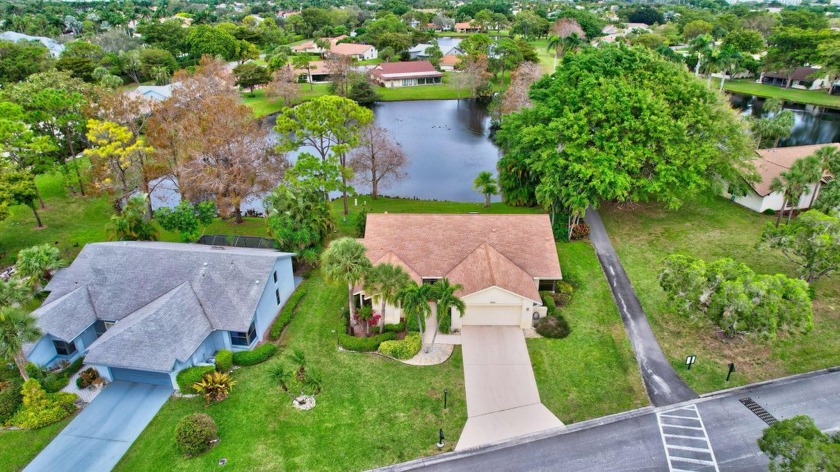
[502,261]
[769,164]
[405,74]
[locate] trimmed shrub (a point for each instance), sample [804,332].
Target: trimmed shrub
[10,401]
[404,348]
[286,314]
[548,302]
[189,376]
[86,378]
[446,323]
[769,211]
[361,222]
[563,293]
[41,408]
[261,353]
[580,231]
[553,327]
[224,360]
[34,371]
[352,343]
[394,328]
[195,433]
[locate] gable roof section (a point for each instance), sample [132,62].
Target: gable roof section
[393,259]
[408,69]
[68,316]
[433,245]
[123,277]
[349,49]
[166,330]
[486,267]
[772,162]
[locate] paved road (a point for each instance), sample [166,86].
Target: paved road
[636,441]
[664,386]
[502,396]
[99,436]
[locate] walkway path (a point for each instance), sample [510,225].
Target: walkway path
[99,436]
[502,397]
[664,386]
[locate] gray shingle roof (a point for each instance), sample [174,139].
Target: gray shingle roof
[68,316]
[123,277]
[152,338]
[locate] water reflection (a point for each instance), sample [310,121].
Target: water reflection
[812,124]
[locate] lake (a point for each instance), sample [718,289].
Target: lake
[812,124]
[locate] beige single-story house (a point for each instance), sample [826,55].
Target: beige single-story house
[318,70]
[311,48]
[448,62]
[406,74]
[770,164]
[467,27]
[361,52]
[803,78]
[502,261]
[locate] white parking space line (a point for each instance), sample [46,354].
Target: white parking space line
[675,449]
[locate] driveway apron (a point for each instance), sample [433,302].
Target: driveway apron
[664,386]
[99,436]
[502,397]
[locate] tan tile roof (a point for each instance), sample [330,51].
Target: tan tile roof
[349,49]
[392,259]
[433,245]
[772,162]
[486,267]
[449,60]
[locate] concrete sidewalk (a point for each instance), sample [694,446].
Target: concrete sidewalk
[502,396]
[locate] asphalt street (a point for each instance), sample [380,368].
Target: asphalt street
[664,386]
[636,443]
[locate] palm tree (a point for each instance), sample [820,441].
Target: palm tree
[13,292]
[415,301]
[37,263]
[793,184]
[384,282]
[827,157]
[567,35]
[17,328]
[487,185]
[444,295]
[345,261]
[702,46]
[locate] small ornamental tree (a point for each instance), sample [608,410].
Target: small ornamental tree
[811,241]
[187,218]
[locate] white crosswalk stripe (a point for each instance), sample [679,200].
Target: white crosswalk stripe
[686,442]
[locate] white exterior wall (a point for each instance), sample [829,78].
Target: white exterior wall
[496,297]
[772,201]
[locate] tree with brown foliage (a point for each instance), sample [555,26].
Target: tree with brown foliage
[516,96]
[284,86]
[379,160]
[340,68]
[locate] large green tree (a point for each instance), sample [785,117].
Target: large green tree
[17,328]
[777,123]
[17,187]
[796,444]
[330,125]
[789,48]
[345,261]
[187,218]
[619,124]
[811,242]
[20,60]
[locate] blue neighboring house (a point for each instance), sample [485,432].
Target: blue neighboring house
[143,311]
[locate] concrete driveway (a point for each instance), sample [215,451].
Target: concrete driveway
[502,396]
[99,436]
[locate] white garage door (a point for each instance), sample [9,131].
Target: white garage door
[495,315]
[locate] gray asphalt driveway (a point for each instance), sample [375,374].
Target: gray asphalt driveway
[664,386]
[99,436]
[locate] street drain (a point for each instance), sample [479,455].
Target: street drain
[758,410]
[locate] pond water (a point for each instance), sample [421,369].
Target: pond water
[812,124]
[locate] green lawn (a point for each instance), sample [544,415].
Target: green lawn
[643,235]
[263,105]
[546,56]
[18,448]
[592,372]
[814,97]
[372,411]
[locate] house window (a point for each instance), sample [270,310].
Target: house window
[277,295]
[239,338]
[275,276]
[430,281]
[101,326]
[64,349]
[547,285]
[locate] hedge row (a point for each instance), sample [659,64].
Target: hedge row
[352,343]
[262,353]
[224,360]
[286,314]
[187,377]
[394,328]
[404,348]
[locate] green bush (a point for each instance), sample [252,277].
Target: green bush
[446,322]
[34,371]
[187,377]
[580,231]
[769,211]
[262,353]
[224,360]
[412,324]
[361,222]
[548,302]
[553,327]
[41,408]
[86,378]
[286,314]
[404,348]
[195,433]
[10,401]
[562,294]
[352,343]
[54,381]
[394,328]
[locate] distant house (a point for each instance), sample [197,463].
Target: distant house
[311,48]
[448,62]
[467,27]
[356,51]
[52,45]
[143,311]
[319,72]
[501,261]
[419,51]
[808,78]
[154,92]
[405,74]
[770,164]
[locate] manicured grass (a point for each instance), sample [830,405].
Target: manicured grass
[712,229]
[18,448]
[814,97]
[264,106]
[372,411]
[71,221]
[546,56]
[592,372]
[347,225]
